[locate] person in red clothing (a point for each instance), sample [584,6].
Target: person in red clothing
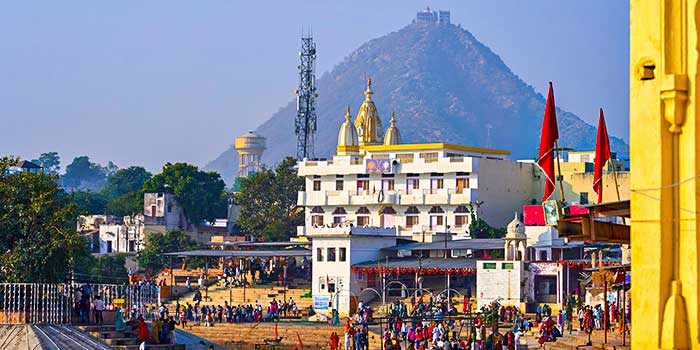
[143,333]
[334,340]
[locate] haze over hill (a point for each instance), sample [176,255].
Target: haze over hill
[443,85]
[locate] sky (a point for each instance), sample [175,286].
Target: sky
[150,82]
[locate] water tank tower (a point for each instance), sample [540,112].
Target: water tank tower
[250,148]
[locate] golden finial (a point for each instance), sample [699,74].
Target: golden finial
[392,121]
[347,113]
[369,92]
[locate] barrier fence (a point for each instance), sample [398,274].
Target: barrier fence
[58,303]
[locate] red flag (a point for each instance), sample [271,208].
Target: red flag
[550,134]
[602,155]
[300,343]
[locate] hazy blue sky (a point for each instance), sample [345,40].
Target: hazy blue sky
[147,82]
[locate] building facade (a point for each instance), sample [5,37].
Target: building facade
[374,180]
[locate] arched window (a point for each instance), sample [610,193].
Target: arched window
[317,216]
[338,216]
[437,217]
[387,210]
[461,216]
[362,216]
[412,216]
[387,215]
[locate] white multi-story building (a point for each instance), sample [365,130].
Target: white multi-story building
[416,189]
[376,189]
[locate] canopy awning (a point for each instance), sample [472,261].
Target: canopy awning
[242,253]
[426,266]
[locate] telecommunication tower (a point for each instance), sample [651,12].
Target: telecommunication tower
[305,122]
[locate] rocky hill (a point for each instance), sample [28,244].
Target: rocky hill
[444,86]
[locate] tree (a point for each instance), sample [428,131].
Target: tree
[479,228]
[89,202]
[50,161]
[159,243]
[83,174]
[268,201]
[124,181]
[128,204]
[37,227]
[105,269]
[198,192]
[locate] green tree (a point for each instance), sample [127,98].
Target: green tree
[198,192]
[83,174]
[268,201]
[128,204]
[50,161]
[89,202]
[105,269]
[124,181]
[479,228]
[157,244]
[37,227]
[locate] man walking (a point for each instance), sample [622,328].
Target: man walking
[98,306]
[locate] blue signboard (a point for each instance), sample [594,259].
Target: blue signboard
[321,303]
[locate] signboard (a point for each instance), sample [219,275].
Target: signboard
[378,166]
[321,303]
[552,214]
[544,268]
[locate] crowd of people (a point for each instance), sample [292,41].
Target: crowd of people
[208,315]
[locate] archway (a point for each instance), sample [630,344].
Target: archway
[404,288]
[379,295]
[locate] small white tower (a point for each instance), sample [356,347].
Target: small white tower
[516,240]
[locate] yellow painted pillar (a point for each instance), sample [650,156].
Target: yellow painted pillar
[664,164]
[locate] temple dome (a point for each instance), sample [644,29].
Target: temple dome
[516,229]
[368,124]
[347,136]
[392,136]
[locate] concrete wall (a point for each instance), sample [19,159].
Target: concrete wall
[500,282]
[504,187]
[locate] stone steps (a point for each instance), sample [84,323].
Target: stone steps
[313,335]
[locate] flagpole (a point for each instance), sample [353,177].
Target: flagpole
[560,177]
[617,188]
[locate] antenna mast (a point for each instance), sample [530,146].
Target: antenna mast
[305,122]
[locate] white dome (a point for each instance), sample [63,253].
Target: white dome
[516,229]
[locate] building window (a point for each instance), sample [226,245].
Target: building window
[339,185]
[584,198]
[342,254]
[436,183]
[319,254]
[330,254]
[362,186]
[317,184]
[462,183]
[338,216]
[405,158]
[322,283]
[411,216]
[170,207]
[387,215]
[461,216]
[109,246]
[362,216]
[387,185]
[331,287]
[429,157]
[489,266]
[437,217]
[317,216]
[412,183]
